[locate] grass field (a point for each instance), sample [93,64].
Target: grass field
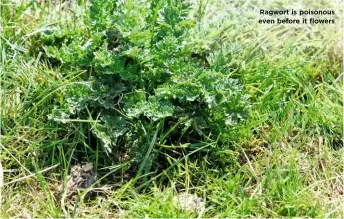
[280,154]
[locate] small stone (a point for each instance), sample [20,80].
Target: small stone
[81,177]
[188,202]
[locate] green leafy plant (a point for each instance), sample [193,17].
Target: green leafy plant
[141,70]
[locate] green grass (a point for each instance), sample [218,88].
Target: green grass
[286,160]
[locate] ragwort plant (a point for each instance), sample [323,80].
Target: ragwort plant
[144,85]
